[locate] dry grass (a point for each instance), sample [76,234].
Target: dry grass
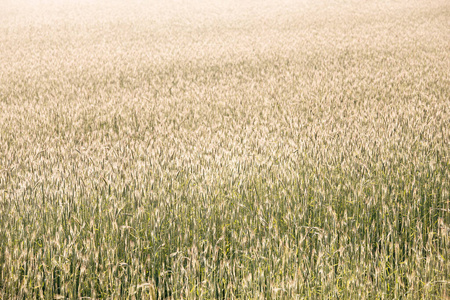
[199,150]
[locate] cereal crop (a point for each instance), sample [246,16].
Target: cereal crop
[224,149]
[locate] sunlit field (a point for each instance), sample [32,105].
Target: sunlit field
[225,149]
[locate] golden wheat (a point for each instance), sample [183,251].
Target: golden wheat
[199,150]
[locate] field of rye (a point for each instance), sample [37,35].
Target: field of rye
[225,149]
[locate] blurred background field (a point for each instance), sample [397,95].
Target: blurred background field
[224,149]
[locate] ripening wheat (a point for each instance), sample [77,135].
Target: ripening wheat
[225,149]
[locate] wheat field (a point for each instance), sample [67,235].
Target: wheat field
[224,149]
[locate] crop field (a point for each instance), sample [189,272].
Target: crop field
[224,149]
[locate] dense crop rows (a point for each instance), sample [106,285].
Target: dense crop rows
[256,150]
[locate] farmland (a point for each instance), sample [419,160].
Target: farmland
[225,149]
